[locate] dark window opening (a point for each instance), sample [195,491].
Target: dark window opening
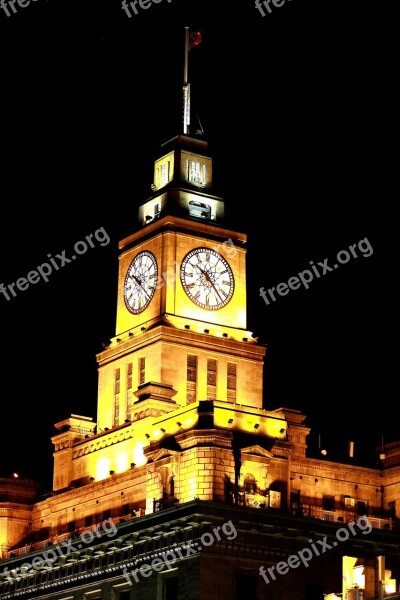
[246,587]
[328,502]
[171,588]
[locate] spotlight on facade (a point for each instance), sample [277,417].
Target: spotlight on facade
[282,430]
[147,436]
[162,429]
[206,331]
[225,335]
[244,339]
[133,465]
[324,452]
[112,472]
[187,326]
[143,329]
[230,421]
[256,426]
[179,424]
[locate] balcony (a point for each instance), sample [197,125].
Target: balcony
[344,516]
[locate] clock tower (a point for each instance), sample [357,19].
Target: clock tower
[181,306]
[180,385]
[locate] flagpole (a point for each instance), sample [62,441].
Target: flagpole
[186,86]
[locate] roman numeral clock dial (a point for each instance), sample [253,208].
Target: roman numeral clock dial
[207,278]
[140,282]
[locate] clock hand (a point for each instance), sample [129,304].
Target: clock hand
[140,284]
[212,283]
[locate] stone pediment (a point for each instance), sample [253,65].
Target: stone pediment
[161,453]
[256,450]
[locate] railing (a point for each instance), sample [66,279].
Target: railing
[129,550]
[62,537]
[345,516]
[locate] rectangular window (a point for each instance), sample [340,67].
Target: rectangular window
[361,507]
[117,381]
[71,526]
[328,502]
[167,585]
[231,382]
[392,508]
[117,384]
[191,379]
[246,587]
[121,592]
[196,172]
[164,173]
[211,379]
[142,370]
[171,588]
[128,388]
[88,520]
[93,595]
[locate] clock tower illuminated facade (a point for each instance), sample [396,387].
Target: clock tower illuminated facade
[181,344]
[181,430]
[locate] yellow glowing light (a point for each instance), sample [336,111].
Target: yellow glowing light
[390,586]
[102,468]
[122,463]
[359,577]
[138,456]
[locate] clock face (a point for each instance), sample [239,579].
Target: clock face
[140,282]
[207,278]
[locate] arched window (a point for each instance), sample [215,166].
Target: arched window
[250,484]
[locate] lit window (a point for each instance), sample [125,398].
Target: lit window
[250,484]
[231,382]
[128,388]
[163,174]
[142,370]
[117,383]
[191,378]
[211,379]
[196,172]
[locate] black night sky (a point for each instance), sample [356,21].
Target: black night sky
[300,109]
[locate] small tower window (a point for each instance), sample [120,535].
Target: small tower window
[163,173]
[231,382]
[211,379]
[128,387]
[117,385]
[191,378]
[142,370]
[196,172]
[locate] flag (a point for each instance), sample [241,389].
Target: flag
[194,39]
